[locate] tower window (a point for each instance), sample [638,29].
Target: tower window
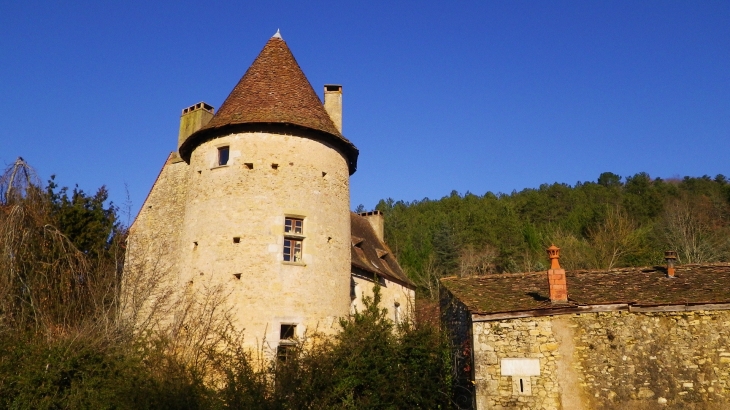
[293,239]
[292,250]
[293,226]
[223,153]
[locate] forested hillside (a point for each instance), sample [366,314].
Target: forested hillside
[612,222]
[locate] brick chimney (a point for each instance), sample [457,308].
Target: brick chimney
[556,277]
[192,119]
[377,221]
[333,103]
[671,258]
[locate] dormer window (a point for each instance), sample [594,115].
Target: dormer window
[357,242]
[223,153]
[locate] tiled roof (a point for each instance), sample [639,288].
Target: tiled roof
[693,284]
[274,90]
[371,254]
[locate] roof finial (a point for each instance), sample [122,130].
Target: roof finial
[277,35]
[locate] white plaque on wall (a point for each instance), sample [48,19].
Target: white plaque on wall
[520,367]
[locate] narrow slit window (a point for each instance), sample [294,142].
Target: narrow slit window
[223,153]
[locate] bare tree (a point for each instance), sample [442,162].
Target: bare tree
[576,252]
[696,229]
[428,277]
[46,284]
[613,238]
[473,262]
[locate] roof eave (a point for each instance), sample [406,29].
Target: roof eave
[344,146]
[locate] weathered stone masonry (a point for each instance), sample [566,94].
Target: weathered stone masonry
[611,360]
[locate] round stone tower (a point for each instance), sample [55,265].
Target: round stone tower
[267,212]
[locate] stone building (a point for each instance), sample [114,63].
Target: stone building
[256,200]
[635,338]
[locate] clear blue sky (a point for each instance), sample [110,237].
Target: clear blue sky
[468,96]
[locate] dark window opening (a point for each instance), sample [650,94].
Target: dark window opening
[274,166]
[287,332]
[223,153]
[522,387]
[236,239]
[249,165]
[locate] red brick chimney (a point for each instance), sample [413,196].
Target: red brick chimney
[671,258]
[556,277]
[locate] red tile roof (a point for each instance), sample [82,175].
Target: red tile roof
[694,284]
[274,90]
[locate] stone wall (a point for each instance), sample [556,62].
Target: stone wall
[611,360]
[270,176]
[391,293]
[151,263]
[517,338]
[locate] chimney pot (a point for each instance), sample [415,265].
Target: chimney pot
[333,103]
[554,255]
[556,277]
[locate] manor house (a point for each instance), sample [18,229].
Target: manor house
[256,200]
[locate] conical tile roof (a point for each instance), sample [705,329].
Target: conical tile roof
[274,90]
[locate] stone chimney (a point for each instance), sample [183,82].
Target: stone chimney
[556,277]
[192,119]
[333,103]
[377,221]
